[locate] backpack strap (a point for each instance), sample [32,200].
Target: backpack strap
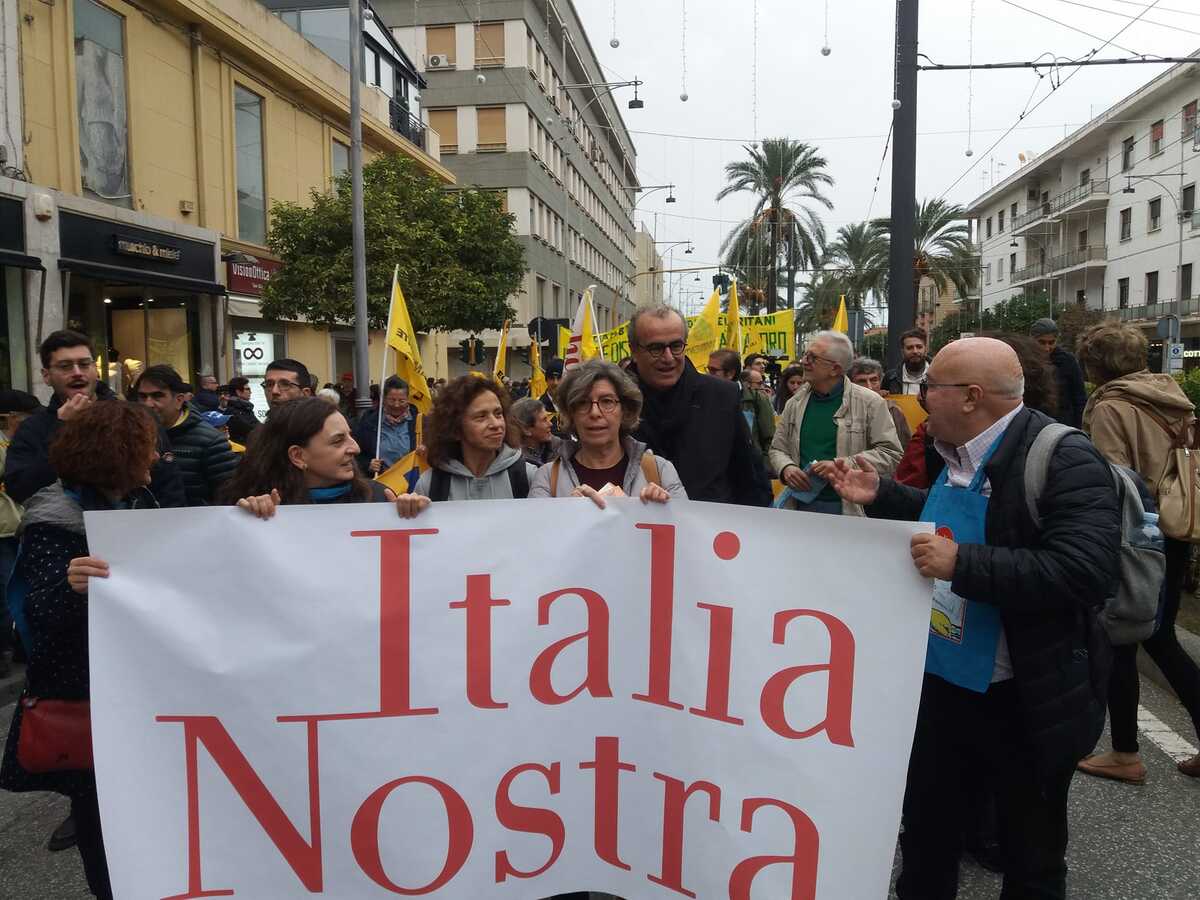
[650,469]
[554,467]
[518,479]
[1037,465]
[439,485]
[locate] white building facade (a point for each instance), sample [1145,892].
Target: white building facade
[1106,217]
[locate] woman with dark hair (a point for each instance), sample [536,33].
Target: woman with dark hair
[539,444]
[789,382]
[304,453]
[102,455]
[468,453]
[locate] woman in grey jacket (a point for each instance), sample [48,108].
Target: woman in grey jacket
[468,454]
[599,405]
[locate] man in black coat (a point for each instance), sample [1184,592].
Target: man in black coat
[1072,393]
[202,453]
[240,409]
[69,367]
[1044,707]
[693,420]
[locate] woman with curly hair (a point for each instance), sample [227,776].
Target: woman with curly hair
[468,452]
[304,453]
[103,456]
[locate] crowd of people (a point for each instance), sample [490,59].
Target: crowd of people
[1019,673]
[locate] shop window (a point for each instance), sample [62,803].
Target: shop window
[251,180]
[255,343]
[101,99]
[14,356]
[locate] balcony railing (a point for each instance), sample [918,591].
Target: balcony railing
[1153,311]
[1037,270]
[1077,257]
[406,124]
[1062,201]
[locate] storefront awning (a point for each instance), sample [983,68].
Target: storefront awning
[122,275]
[20,260]
[244,307]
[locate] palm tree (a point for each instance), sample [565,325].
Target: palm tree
[822,296]
[942,248]
[860,253]
[747,259]
[783,174]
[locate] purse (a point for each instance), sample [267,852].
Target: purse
[55,736]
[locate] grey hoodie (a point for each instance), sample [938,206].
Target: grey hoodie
[494,485]
[52,506]
[568,480]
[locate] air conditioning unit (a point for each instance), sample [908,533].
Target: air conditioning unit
[439,61]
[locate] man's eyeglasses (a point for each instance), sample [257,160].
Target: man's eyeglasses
[67,366]
[283,384]
[656,349]
[926,386]
[811,357]
[608,405]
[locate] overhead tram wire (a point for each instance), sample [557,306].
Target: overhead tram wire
[971,168]
[1123,15]
[1070,27]
[1182,12]
[879,175]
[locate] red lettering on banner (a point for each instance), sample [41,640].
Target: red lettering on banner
[395,631]
[803,859]
[529,819]
[596,683]
[479,605]
[364,835]
[608,768]
[303,857]
[840,692]
[720,649]
[675,797]
[662,609]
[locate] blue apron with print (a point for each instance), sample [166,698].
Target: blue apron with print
[963,634]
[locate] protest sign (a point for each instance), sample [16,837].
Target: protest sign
[649,700]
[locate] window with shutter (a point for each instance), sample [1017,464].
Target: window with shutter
[491,128]
[1156,137]
[440,42]
[445,123]
[489,44]
[1189,119]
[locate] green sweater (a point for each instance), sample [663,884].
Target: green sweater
[818,431]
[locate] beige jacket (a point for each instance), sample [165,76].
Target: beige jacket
[865,427]
[1125,433]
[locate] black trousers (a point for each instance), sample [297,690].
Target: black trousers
[964,739]
[89,841]
[1163,647]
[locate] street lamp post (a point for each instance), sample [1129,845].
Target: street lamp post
[362,365]
[671,263]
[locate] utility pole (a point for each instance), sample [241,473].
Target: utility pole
[901,299]
[362,359]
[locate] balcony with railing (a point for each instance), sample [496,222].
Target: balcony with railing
[407,125]
[1152,312]
[1092,194]
[1080,257]
[1031,272]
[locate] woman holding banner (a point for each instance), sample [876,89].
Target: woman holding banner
[103,456]
[600,406]
[304,453]
[469,455]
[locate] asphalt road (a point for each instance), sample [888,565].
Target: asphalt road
[1127,843]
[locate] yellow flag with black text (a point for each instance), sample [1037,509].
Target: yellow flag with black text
[403,339]
[705,334]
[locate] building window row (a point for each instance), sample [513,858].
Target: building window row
[595,263]
[544,223]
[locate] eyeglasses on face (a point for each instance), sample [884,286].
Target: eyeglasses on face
[283,384]
[657,349]
[67,366]
[607,405]
[809,357]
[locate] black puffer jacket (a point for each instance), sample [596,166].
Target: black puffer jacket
[203,456]
[27,467]
[1048,584]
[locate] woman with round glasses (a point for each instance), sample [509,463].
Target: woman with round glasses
[599,405]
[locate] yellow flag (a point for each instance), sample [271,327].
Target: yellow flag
[501,367]
[396,477]
[705,334]
[582,344]
[841,322]
[564,340]
[402,339]
[733,325]
[537,380]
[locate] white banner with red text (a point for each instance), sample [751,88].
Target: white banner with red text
[503,699]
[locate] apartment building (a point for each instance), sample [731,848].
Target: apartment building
[1105,218]
[648,276]
[510,91]
[156,138]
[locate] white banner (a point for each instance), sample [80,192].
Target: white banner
[503,699]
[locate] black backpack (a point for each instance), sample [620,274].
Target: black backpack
[518,478]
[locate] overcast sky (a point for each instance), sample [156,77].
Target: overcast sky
[841,103]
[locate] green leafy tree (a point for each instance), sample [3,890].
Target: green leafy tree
[822,295]
[860,251]
[459,259]
[942,249]
[787,179]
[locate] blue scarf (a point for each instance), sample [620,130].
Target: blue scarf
[329,494]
